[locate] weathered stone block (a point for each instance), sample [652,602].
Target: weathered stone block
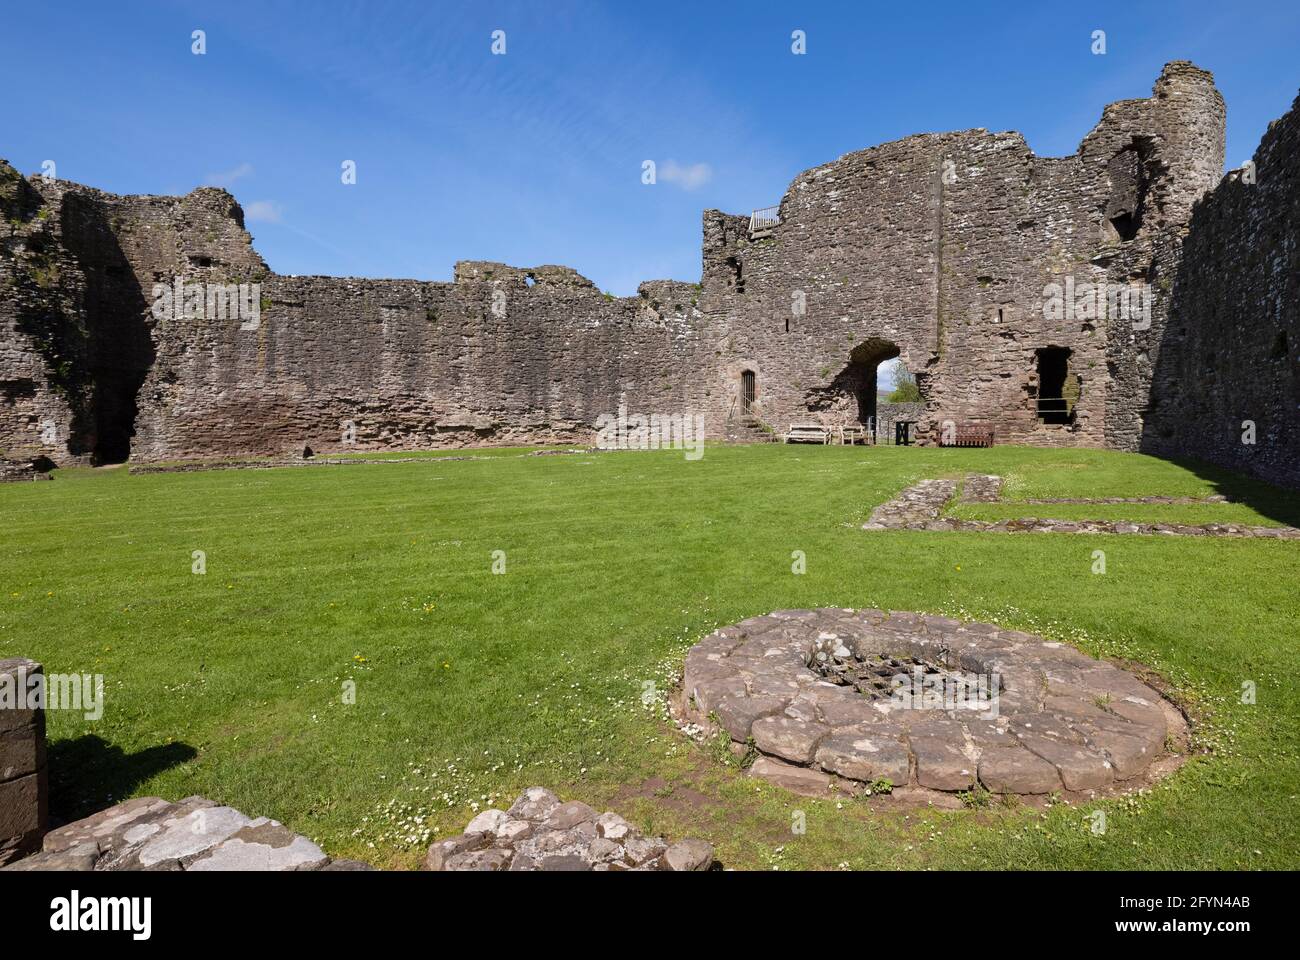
[24,786]
[803,780]
[1016,770]
[442,851]
[688,855]
[18,687]
[941,764]
[865,754]
[22,751]
[737,714]
[569,815]
[23,815]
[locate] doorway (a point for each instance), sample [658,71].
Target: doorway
[1058,387]
[748,392]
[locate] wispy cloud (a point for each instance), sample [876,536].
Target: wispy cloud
[262,211]
[230,176]
[687,177]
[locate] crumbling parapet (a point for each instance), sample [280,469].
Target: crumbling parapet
[24,779]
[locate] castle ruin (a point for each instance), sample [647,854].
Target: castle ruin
[940,249]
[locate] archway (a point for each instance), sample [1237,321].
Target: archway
[864,371]
[852,398]
[859,381]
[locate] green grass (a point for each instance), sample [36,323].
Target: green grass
[471,686]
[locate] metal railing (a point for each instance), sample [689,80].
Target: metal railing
[1053,407]
[762,221]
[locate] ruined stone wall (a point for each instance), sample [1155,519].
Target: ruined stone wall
[1190,140]
[76,338]
[501,355]
[42,333]
[937,248]
[900,411]
[1227,355]
[24,773]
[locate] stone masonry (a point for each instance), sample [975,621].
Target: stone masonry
[921,507]
[194,834]
[24,778]
[1229,351]
[837,699]
[938,248]
[540,833]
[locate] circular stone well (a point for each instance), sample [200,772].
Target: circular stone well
[836,697]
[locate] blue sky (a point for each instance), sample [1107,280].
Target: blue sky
[535,156]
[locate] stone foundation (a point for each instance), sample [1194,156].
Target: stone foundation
[24,468]
[921,506]
[973,707]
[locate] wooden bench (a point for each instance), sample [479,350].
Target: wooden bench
[969,435]
[808,433]
[850,435]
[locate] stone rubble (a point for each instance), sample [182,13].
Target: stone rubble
[14,469]
[981,489]
[914,507]
[194,834]
[539,832]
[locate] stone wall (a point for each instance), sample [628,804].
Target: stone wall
[24,779]
[76,337]
[42,334]
[937,248]
[501,355]
[899,411]
[1228,354]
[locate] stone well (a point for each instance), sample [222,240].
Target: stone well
[835,698]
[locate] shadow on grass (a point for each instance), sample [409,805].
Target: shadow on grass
[1276,503]
[88,774]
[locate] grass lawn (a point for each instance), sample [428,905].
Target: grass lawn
[471,686]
